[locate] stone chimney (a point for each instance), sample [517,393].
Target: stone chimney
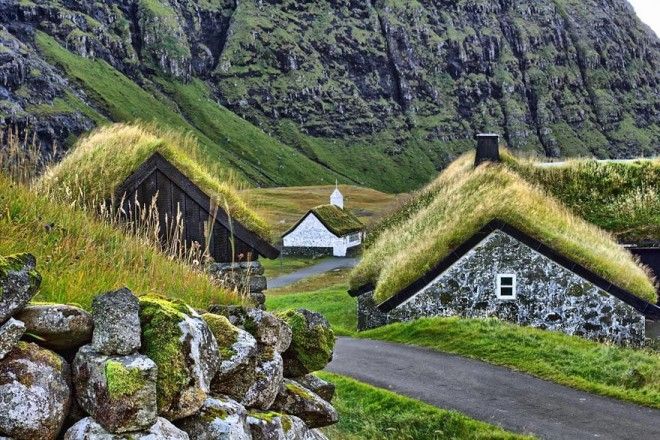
[488,148]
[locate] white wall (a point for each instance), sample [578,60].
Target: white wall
[311,233]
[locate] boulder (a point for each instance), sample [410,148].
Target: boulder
[236,346]
[312,343]
[116,323]
[325,390]
[10,333]
[257,384]
[276,426]
[35,393]
[88,429]
[181,344]
[294,399]
[269,375]
[267,328]
[219,419]
[58,326]
[19,282]
[119,392]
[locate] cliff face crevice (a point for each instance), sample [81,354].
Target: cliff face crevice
[555,77]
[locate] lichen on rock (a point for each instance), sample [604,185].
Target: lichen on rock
[19,282]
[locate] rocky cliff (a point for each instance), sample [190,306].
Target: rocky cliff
[362,88]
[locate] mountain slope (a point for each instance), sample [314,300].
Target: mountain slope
[380,93]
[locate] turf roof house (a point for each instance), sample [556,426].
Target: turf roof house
[133,164]
[527,259]
[325,230]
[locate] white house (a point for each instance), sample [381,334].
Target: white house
[327,229]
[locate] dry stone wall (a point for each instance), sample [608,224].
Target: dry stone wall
[154,368]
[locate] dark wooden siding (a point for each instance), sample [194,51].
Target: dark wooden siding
[172,199]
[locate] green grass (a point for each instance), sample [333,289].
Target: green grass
[367,412]
[80,257]
[462,200]
[623,198]
[285,265]
[623,373]
[332,302]
[228,141]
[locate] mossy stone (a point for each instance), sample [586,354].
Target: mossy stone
[312,342]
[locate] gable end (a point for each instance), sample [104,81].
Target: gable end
[649,310]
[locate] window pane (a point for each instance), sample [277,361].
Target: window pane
[506,281]
[506,291]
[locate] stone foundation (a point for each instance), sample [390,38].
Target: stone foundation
[247,278]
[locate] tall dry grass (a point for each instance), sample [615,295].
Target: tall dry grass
[117,243]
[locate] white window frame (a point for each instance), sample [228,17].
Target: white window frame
[498,290]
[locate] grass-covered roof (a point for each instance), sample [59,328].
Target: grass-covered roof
[101,161]
[338,221]
[461,201]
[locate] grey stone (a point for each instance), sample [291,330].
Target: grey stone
[219,419]
[116,323]
[119,392]
[267,328]
[237,347]
[88,429]
[325,390]
[10,333]
[269,375]
[19,282]
[549,296]
[273,426]
[35,393]
[58,326]
[294,399]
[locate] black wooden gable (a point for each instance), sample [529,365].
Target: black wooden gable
[178,194]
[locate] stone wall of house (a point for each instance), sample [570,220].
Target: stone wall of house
[549,296]
[153,368]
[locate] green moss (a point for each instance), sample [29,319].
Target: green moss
[161,342]
[122,381]
[14,263]
[211,414]
[339,221]
[298,391]
[225,333]
[313,346]
[271,416]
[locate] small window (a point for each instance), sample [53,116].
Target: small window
[506,286]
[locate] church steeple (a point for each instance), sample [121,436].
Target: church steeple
[337,198]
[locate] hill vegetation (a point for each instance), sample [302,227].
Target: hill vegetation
[380,94]
[461,201]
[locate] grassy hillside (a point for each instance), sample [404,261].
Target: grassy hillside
[80,257]
[370,413]
[609,370]
[227,139]
[283,207]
